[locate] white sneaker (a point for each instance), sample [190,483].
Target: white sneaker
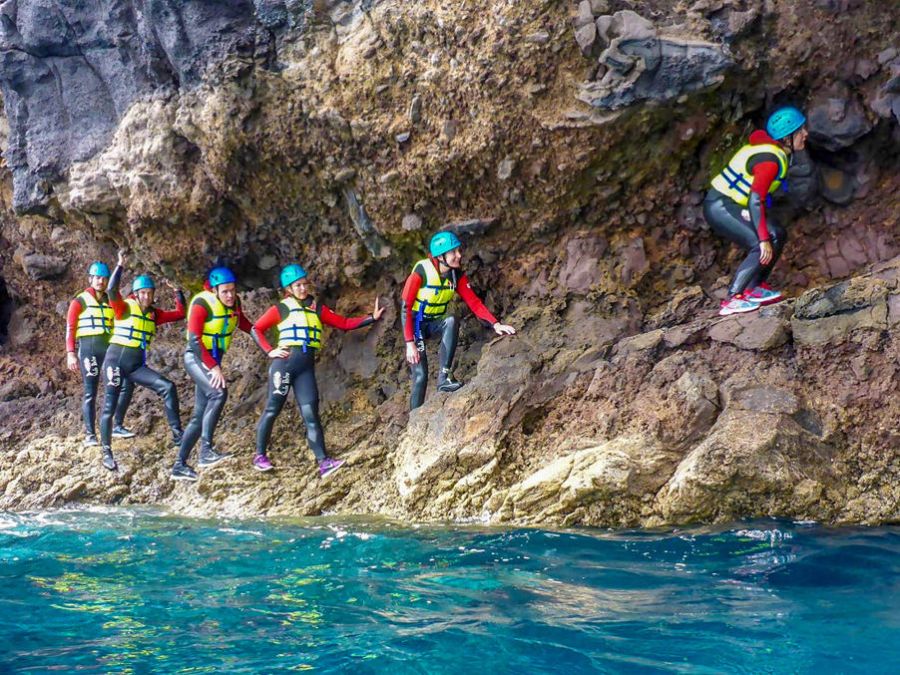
[737,304]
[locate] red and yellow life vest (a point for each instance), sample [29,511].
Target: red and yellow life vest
[96,318]
[302,326]
[221,322]
[735,180]
[434,294]
[135,330]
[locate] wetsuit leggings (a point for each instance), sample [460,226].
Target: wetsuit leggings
[91,353]
[297,372]
[208,404]
[125,365]
[726,218]
[448,327]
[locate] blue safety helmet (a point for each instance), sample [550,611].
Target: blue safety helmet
[784,121]
[443,242]
[98,269]
[221,275]
[142,282]
[292,273]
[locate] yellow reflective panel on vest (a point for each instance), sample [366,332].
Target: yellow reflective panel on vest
[95,319]
[302,327]
[220,325]
[434,294]
[736,180]
[135,330]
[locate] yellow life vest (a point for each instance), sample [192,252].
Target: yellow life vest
[135,330]
[95,319]
[736,180]
[220,325]
[434,294]
[302,326]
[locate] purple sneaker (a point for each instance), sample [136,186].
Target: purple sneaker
[262,463]
[329,466]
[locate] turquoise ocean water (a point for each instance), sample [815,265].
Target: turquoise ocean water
[124,591]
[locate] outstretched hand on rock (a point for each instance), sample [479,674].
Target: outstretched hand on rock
[122,259]
[378,311]
[503,329]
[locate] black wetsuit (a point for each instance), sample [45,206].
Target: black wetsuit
[208,404]
[297,373]
[734,222]
[448,328]
[208,401]
[126,364]
[91,351]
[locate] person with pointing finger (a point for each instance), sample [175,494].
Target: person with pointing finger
[299,320]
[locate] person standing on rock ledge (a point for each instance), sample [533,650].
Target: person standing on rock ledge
[426,296]
[735,206]
[213,316]
[299,320]
[135,325]
[89,322]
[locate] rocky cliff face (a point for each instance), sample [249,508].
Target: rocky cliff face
[569,144]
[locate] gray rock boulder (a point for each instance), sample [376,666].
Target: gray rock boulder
[837,121]
[641,65]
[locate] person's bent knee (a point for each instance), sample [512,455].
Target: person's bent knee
[218,395]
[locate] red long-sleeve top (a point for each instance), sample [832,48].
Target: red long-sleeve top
[75,309]
[764,171]
[274,315]
[414,282]
[197,318]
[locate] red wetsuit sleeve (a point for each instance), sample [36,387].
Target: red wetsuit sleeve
[243,322]
[171,315]
[119,306]
[330,318]
[196,320]
[270,319]
[410,290]
[473,301]
[72,315]
[763,175]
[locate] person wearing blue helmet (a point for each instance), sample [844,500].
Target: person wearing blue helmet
[299,320]
[136,321]
[427,293]
[736,206]
[214,315]
[89,325]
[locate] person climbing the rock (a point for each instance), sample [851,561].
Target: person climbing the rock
[213,316]
[89,324]
[427,293]
[136,320]
[299,319]
[736,207]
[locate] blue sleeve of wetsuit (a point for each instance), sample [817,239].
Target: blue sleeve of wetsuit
[112,288]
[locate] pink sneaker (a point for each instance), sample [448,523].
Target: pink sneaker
[329,466]
[262,463]
[764,295]
[737,304]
